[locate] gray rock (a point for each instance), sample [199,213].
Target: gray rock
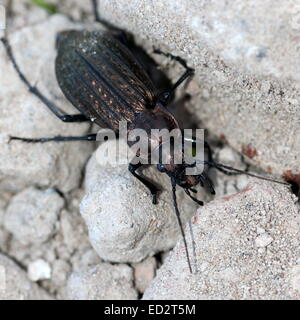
[229,263]
[73,230]
[22,114]
[144,272]
[14,284]
[102,282]
[32,215]
[247,67]
[26,13]
[123,224]
[87,258]
[60,271]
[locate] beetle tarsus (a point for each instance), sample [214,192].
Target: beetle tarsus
[99,20]
[165,96]
[172,57]
[34,90]
[208,183]
[154,198]
[151,187]
[199,202]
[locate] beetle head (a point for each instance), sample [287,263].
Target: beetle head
[178,173]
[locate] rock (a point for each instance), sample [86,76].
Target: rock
[32,215]
[4,240]
[229,263]
[22,114]
[247,67]
[88,258]
[60,272]
[4,234]
[123,224]
[102,282]
[39,270]
[27,13]
[144,272]
[14,284]
[73,230]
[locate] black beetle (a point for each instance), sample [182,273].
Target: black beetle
[101,77]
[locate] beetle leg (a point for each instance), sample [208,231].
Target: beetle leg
[199,202]
[52,107]
[165,96]
[99,20]
[153,189]
[90,137]
[172,57]
[208,183]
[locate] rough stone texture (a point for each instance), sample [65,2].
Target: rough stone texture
[61,270]
[4,235]
[246,58]
[226,185]
[144,272]
[102,282]
[123,224]
[14,284]
[67,248]
[77,10]
[229,264]
[32,215]
[22,114]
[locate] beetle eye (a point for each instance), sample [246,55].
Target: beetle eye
[161,167]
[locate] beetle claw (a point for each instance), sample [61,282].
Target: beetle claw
[154,198]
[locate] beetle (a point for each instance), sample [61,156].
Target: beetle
[101,77]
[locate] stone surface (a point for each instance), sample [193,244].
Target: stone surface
[102,282]
[77,10]
[32,215]
[144,273]
[229,263]
[14,284]
[22,114]
[123,224]
[61,270]
[247,67]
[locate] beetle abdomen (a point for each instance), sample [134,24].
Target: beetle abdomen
[101,78]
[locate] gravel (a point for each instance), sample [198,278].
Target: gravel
[102,282]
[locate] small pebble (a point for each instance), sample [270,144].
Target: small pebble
[263,240]
[39,270]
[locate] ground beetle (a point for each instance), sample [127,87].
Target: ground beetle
[101,77]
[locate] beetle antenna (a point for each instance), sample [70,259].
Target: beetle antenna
[180,223]
[221,167]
